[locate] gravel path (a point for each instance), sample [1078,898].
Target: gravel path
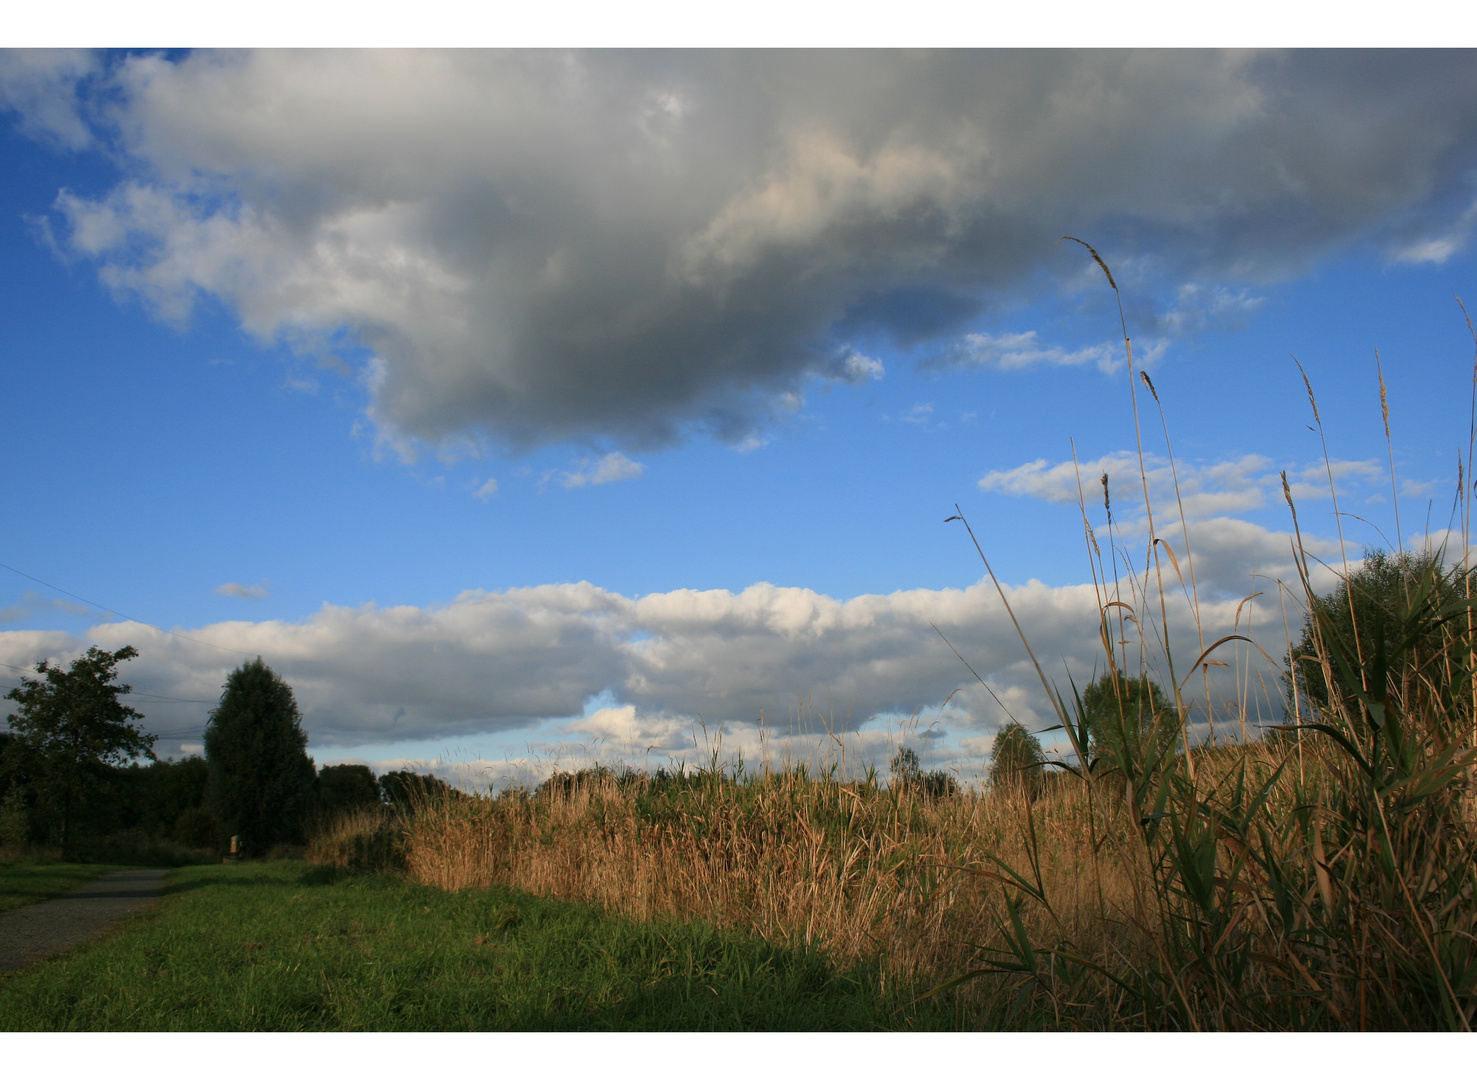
[40,930]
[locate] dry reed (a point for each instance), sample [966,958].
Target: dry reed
[1320,879]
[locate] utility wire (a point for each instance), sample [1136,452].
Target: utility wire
[111,611]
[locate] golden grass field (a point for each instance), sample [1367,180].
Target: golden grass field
[1321,878]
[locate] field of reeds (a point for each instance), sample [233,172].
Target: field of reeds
[1319,878]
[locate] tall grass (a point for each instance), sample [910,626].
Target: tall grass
[1320,878]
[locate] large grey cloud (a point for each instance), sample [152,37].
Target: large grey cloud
[544,246]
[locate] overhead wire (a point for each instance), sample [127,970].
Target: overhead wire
[121,615]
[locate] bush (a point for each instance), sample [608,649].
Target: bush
[366,840]
[197,827]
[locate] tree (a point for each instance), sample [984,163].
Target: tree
[408,791]
[71,729]
[1408,617]
[1016,762]
[907,772]
[905,766]
[167,798]
[1120,714]
[260,780]
[347,787]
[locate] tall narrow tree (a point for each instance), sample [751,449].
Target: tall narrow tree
[260,782]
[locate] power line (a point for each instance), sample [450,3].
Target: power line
[111,611]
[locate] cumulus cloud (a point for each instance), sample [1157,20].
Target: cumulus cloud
[41,88]
[545,246]
[1451,238]
[612,467]
[243,592]
[1021,350]
[1204,488]
[856,369]
[663,668]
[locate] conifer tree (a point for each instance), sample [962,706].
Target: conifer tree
[260,783]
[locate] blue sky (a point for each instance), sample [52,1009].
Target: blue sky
[529,408]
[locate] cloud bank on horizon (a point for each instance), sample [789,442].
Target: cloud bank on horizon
[624,248]
[498,662]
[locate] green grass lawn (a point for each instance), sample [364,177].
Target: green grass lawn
[24,882]
[282,946]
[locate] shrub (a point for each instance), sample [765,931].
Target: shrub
[364,840]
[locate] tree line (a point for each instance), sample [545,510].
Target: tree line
[79,773]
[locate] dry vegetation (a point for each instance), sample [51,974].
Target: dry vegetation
[1319,879]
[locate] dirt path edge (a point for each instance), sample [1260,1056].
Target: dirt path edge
[53,926]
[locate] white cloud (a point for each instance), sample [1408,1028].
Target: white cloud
[1021,350]
[664,667]
[857,369]
[41,86]
[921,413]
[1204,488]
[1199,307]
[32,602]
[548,246]
[1452,238]
[485,491]
[612,467]
[243,592]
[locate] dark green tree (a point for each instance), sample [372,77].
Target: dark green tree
[1017,762]
[260,779]
[907,772]
[905,766]
[407,790]
[1408,614]
[347,787]
[1121,714]
[70,730]
[167,799]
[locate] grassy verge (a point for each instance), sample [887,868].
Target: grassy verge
[287,947]
[25,881]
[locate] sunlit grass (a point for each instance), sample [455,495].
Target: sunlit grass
[282,946]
